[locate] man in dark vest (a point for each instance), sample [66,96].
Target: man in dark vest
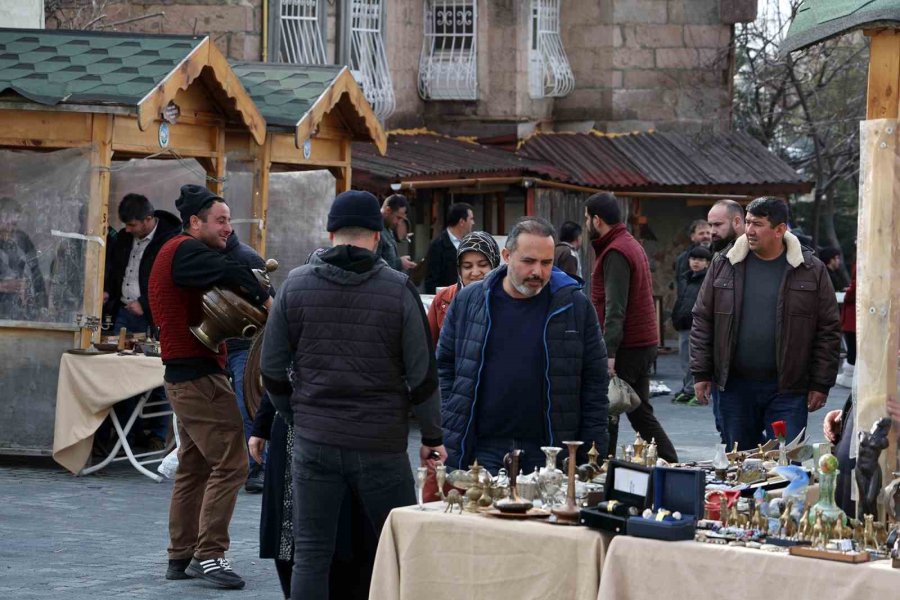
[212,457]
[347,352]
[622,293]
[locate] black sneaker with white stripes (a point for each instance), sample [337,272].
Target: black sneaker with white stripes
[216,571]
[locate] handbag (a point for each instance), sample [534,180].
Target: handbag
[622,397]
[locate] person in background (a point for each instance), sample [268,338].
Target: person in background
[521,360]
[567,258]
[440,263]
[832,259]
[393,210]
[848,329]
[23,295]
[345,356]
[212,456]
[622,294]
[701,235]
[477,255]
[698,262]
[238,350]
[126,296]
[726,224]
[766,330]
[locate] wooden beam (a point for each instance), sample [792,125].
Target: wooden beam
[501,214]
[217,185]
[98,212]
[260,204]
[884,75]
[187,140]
[529,201]
[878,279]
[45,129]
[150,107]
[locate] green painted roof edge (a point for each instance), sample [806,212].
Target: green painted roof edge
[273,116]
[805,31]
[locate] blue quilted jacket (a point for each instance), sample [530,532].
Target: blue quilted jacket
[574,367]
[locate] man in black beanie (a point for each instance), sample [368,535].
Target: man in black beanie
[212,457]
[353,336]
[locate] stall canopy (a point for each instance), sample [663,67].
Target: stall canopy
[313,113]
[726,163]
[71,102]
[817,21]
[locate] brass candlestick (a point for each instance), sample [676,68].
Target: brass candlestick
[569,513]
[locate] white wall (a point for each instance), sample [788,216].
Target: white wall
[22,13]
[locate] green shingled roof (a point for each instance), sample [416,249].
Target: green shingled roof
[86,67]
[819,20]
[283,93]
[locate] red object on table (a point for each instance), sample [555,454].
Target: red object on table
[779,428]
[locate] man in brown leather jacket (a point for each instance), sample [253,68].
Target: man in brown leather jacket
[766,330]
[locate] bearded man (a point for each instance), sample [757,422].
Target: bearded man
[622,293]
[726,224]
[521,361]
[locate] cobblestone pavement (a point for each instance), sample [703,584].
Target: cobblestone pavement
[104,535]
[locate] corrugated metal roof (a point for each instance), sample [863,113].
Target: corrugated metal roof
[421,155]
[655,160]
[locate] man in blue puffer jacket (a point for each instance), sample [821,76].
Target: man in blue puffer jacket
[521,360]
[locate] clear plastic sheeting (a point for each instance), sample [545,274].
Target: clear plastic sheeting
[44,198]
[297,217]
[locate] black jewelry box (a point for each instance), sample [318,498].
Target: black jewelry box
[679,490]
[628,483]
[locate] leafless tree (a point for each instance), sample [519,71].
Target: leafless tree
[805,107]
[87,14]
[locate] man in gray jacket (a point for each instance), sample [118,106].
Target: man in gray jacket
[347,351]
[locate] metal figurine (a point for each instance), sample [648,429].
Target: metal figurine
[570,512]
[453,497]
[868,471]
[593,454]
[474,493]
[639,446]
[652,454]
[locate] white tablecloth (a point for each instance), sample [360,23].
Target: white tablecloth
[88,388]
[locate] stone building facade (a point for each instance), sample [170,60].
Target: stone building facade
[637,64]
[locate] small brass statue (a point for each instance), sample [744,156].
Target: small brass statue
[453,497]
[639,446]
[652,454]
[869,540]
[819,531]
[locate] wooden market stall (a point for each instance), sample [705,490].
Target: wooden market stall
[108,96]
[313,114]
[878,245]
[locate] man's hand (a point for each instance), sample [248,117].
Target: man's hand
[135,308]
[815,400]
[406,263]
[832,425]
[257,446]
[105,297]
[428,460]
[703,392]
[268,303]
[611,366]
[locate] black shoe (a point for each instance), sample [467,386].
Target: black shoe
[216,571]
[177,568]
[254,483]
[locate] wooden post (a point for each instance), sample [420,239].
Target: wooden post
[501,213]
[260,205]
[529,201]
[218,165]
[98,213]
[878,279]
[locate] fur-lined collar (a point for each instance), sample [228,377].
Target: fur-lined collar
[741,249]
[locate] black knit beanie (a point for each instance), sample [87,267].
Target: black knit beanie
[355,209]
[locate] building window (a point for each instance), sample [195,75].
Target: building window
[367,59]
[447,67]
[549,73]
[301,26]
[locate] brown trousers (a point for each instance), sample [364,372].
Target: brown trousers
[212,466]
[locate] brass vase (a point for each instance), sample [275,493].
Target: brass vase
[570,512]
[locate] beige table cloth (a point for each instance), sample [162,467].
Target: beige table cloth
[430,555]
[88,388]
[641,569]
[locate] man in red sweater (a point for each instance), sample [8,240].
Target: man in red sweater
[622,293]
[212,457]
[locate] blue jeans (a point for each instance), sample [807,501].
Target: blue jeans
[236,363]
[158,426]
[490,453]
[322,477]
[748,409]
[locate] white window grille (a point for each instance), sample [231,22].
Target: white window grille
[302,41]
[448,69]
[368,60]
[549,73]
